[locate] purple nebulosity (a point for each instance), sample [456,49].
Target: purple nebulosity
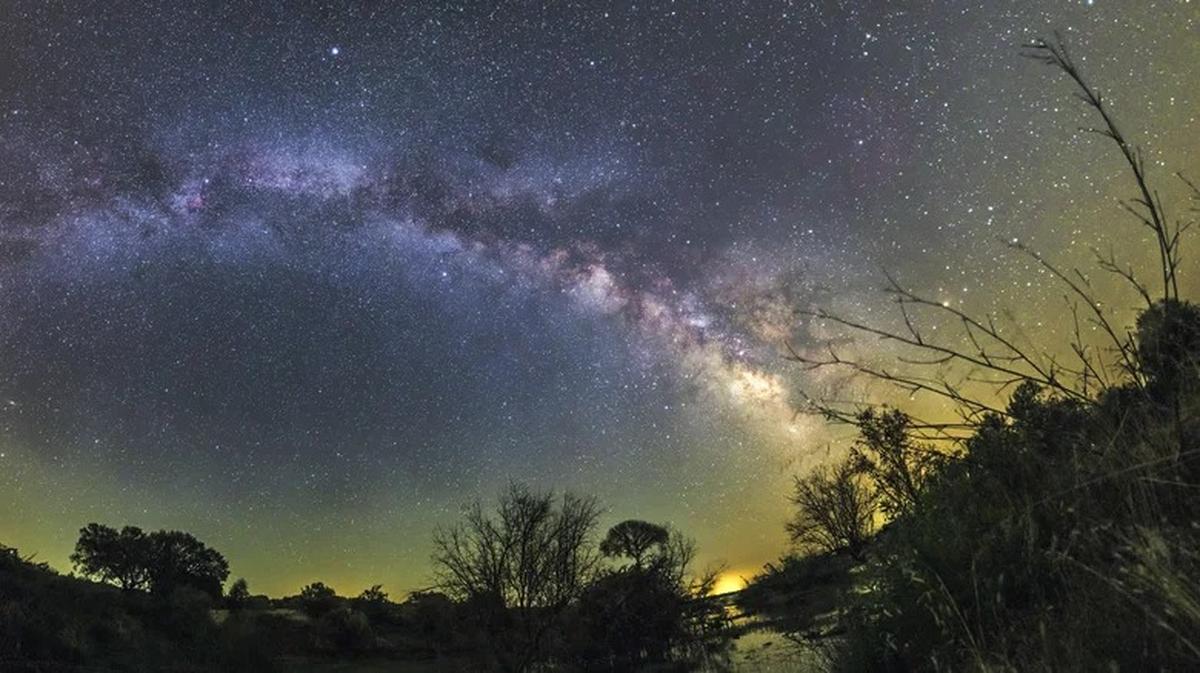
[265,273]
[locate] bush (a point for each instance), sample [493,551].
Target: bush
[244,646]
[344,631]
[316,599]
[1060,540]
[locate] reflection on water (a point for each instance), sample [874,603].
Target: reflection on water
[758,647]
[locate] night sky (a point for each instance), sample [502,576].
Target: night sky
[304,281]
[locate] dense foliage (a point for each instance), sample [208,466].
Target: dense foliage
[162,561]
[1065,538]
[51,622]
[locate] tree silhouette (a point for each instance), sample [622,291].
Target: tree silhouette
[117,557]
[177,559]
[635,539]
[898,466]
[318,598]
[239,595]
[651,611]
[519,567]
[834,510]
[373,594]
[161,561]
[373,602]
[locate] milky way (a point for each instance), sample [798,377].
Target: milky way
[305,280]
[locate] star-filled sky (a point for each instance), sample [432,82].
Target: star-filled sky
[306,279]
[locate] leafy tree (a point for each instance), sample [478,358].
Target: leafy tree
[628,619]
[1168,345]
[649,612]
[317,599]
[835,510]
[161,561]
[118,557]
[177,559]
[239,594]
[373,594]
[374,603]
[435,619]
[634,539]
[1168,355]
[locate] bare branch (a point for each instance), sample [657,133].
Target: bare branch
[1054,53]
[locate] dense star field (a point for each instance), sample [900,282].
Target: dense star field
[306,280]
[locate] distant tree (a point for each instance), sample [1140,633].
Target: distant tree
[674,559]
[239,595]
[633,539]
[316,599]
[374,603]
[373,594]
[117,557]
[834,510]
[177,559]
[520,567]
[897,466]
[651,611]
[317,591]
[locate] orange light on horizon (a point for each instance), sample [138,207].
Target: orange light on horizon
[728,583]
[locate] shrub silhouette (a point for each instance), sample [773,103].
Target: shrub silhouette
[345,631]
[373,602]
[317,599]
[628,618]
[52,622]
[238,596]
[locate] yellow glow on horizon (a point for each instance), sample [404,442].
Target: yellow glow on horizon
[728,583]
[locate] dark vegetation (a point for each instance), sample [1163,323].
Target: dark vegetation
[530,586]
[1051,526]
[534,577]
[1056,531]
[50,622]
[161,562]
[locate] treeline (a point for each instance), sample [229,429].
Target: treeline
[1057,532]
[526,585]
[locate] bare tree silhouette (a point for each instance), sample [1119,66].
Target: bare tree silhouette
[520,567]
[834,510]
